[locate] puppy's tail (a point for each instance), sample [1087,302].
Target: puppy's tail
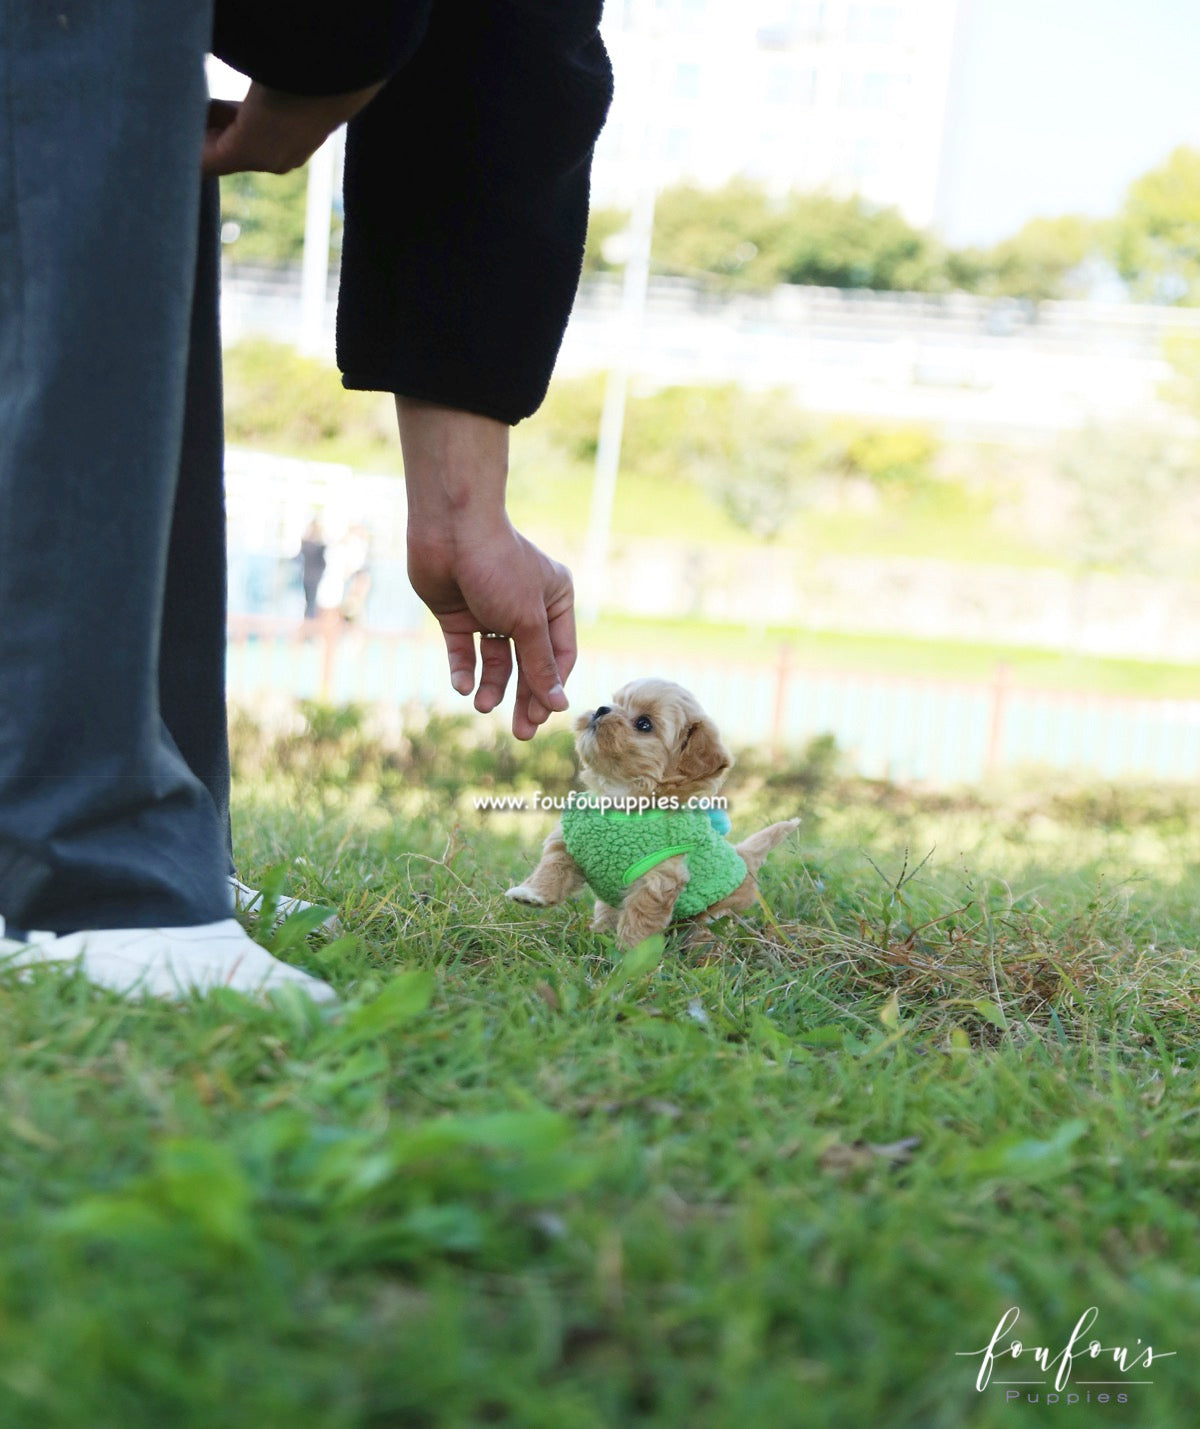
[755,849]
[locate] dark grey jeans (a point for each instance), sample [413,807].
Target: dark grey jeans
[113,770]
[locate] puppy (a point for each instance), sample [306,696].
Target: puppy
[656,864]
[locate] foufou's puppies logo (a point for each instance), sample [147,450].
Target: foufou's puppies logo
[1110,1367]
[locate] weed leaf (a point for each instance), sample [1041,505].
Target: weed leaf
[405,997]
[637,963]
[1027,1158]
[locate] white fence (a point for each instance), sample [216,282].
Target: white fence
[939,732]
[977,365]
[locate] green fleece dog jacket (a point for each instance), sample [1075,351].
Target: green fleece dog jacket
[613,848]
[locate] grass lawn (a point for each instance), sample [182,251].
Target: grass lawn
[278,401]
[896,655]
[551,497]
[523,1181]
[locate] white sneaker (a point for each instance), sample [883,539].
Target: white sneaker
[249,900]
[166,962]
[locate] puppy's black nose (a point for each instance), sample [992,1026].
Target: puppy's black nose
[599,713]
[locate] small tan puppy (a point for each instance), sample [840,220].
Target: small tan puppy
[643,838]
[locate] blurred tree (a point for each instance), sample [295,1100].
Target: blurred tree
[896,460]
[1131,485]
[604,226]
[1182,388]
[738,237]
[1156,236]
[570,415]
[724,235]
[280,400]
[756,454]
[849,243]
[1045,260]
[268,211]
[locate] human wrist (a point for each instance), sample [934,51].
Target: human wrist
[455,472]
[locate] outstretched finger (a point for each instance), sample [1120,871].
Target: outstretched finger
[528,712]
[221,114]
[460,649]
[496,655]
[535,659]
[214,156]
[539,685]
[563,643]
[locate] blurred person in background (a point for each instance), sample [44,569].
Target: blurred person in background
[471,129]
[356,554]
[312,565]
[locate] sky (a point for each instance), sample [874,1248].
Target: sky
[1061,103]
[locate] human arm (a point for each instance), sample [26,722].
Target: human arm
[475,572]
[465,215]
[311,47]
[313,67]
[466,202]
[272,131]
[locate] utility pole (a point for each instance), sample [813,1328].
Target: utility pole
[635,283]
[318,223]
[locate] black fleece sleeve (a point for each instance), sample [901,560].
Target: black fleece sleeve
[466,202]
[315,47]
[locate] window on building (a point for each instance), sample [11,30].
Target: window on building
[865,158]
[801,22]
[813,20]
[786,85]
[758,165]
[873,90]
[687,81]
[774,37]
[872,24]
[678,147]
[877,90]
[611,142]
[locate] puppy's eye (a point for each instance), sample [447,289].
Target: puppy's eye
[643,722]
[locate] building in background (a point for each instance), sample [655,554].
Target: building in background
[842,95]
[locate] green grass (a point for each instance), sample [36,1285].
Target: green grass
[924,530]
[554,509]
[523,1181]
[280,401]
[277,400]
[896,655]
[550,497]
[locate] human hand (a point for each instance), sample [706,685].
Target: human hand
[274,132]
[476,573]
[500,586]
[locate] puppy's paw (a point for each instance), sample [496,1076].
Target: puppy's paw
[522,893]
[604,919]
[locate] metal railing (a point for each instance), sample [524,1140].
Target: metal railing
[938,731]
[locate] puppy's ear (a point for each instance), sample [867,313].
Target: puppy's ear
[702,756]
